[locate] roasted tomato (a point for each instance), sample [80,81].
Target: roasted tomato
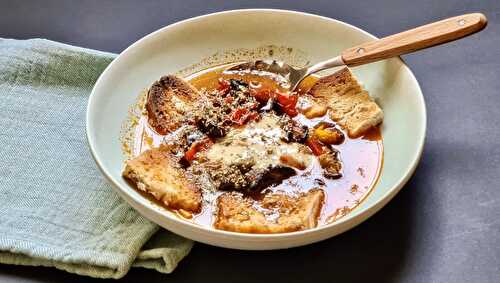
[328,134]
[316,147]
[288,103]
[196,147]
[262,96]
[224,86]
[242,115]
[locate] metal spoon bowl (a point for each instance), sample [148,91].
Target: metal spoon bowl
[285,75]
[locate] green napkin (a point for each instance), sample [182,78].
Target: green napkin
[56,209]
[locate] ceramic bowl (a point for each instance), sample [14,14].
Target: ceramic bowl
[315,38]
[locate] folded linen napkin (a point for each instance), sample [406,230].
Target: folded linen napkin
[56,209]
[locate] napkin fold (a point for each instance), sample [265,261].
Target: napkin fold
[56,209]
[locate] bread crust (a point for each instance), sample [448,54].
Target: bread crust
[169,100]
[275,213]
[157,172]
[349,105]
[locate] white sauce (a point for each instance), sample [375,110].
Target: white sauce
[262,141]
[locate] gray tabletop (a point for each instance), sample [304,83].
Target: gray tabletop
[444,226]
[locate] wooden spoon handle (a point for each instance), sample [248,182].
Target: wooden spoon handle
[414,39]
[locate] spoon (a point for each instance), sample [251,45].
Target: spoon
[401,43]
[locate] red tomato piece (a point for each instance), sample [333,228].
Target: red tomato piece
[224,86]
[238,114]
[291,111]
[282,98]
[196,147]
[315,146]
[229,99]
[288,103]
[261,95]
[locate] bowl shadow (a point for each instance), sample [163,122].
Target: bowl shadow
[378,248]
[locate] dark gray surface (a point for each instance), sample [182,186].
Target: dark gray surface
[444,226]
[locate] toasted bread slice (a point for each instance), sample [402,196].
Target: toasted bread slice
[157,171]
[276,213]
[349,105]
[168,101]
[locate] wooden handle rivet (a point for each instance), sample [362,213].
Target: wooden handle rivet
[360,50]
[461,22]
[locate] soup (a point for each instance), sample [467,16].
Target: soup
[255,157]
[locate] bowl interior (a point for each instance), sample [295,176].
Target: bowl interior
[180,45]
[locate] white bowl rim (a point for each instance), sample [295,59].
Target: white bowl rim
[363,214]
